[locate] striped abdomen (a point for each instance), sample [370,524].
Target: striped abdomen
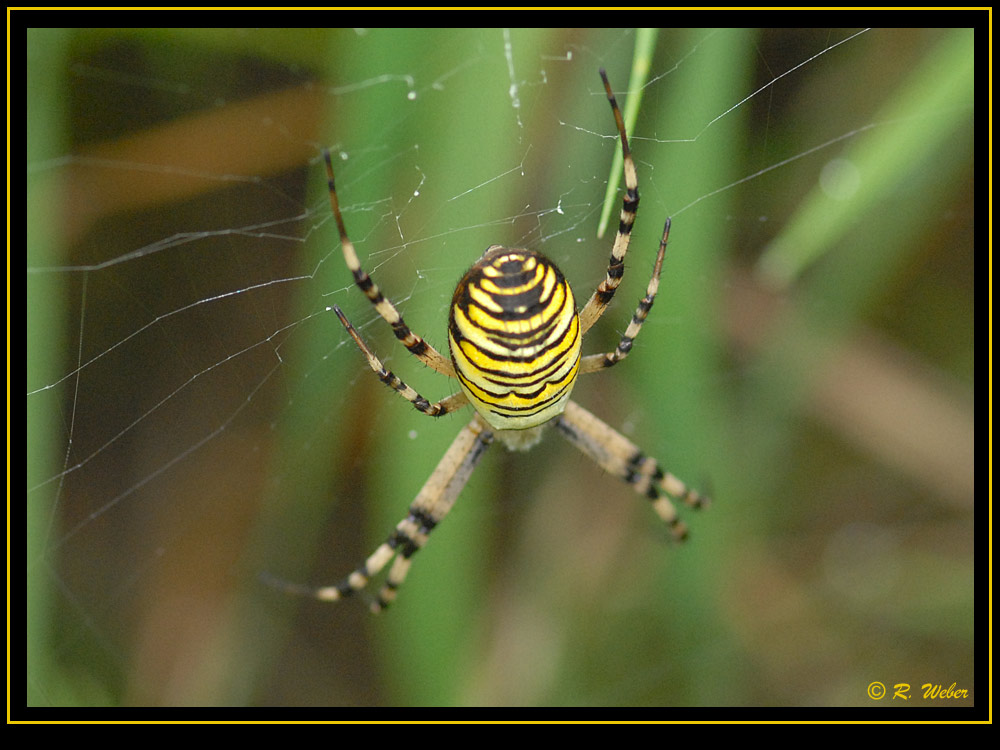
[514,336]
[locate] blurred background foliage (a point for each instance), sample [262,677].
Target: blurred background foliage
[809,363]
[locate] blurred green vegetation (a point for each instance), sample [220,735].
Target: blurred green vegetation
[809,362]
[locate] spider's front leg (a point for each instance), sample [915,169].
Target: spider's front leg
[605,292]
[618,455]
[414,343]
[421,404]
[431,505]
[598,362]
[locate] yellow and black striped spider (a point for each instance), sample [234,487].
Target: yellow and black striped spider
[514,335]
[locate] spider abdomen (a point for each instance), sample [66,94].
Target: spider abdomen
[514,336]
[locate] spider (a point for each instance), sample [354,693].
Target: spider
[514,336]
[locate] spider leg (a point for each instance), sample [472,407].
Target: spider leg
[618,455]
[595,362]
[429,508]
[416,345]
[602,297]
[444,406]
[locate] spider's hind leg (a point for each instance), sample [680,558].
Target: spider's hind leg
[618,455]
[429,508]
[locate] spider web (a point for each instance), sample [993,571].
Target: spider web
[197,417]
